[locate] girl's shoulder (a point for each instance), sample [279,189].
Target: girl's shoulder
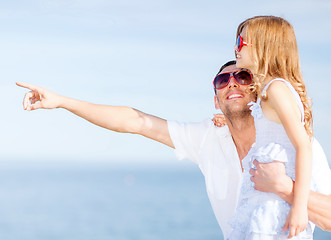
[282,91]
[278,82]
[278,86]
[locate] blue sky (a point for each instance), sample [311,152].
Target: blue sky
[157,56]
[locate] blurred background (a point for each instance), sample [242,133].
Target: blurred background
[61,177]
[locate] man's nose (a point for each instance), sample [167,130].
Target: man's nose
[232,82]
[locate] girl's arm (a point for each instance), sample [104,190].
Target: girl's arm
[283,103]
[115,118]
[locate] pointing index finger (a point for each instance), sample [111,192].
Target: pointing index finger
[27,85]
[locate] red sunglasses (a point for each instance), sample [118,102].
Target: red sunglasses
[241,43]
[243,77]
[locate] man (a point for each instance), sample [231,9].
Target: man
[217,151]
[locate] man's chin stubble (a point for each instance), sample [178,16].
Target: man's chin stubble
[237,114]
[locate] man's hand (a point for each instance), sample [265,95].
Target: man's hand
[39,97]
[271,177]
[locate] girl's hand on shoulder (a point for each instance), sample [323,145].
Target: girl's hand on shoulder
[219,120]
[39,98]
[296,222]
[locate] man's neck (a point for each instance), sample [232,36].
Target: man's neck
[243,134]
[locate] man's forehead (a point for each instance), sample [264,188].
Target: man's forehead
[231,68]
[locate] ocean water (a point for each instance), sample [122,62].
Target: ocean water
[45,201]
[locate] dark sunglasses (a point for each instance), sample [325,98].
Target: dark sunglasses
[241,43]
[243,77]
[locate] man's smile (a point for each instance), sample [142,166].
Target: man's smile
[234,95]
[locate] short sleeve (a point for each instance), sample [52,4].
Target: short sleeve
[321,173]
[188,138]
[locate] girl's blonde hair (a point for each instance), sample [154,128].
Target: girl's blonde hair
[275,54]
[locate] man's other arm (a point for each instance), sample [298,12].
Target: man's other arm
[271,177]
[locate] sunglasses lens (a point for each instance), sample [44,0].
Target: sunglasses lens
[221,80]
[243,77]
[239,43]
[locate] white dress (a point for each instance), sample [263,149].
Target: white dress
[262,215]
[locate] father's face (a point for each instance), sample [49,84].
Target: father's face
[233,99]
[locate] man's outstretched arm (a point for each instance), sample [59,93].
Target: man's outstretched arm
[115,118]
[271,177]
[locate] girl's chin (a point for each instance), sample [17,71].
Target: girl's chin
[239,65]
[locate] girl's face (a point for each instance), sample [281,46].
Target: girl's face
[243,57]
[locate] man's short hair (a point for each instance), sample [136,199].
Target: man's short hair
[229,63]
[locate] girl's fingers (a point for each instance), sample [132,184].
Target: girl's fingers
[298,230]
[285,226]
[292,232]
[219,120]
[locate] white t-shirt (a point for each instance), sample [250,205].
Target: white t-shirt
[213,150]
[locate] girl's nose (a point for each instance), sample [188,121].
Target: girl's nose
[236,48]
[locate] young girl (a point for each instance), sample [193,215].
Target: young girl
[266,45]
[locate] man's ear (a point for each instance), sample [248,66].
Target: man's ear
[217,106]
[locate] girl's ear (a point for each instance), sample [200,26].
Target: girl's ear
[217,106]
